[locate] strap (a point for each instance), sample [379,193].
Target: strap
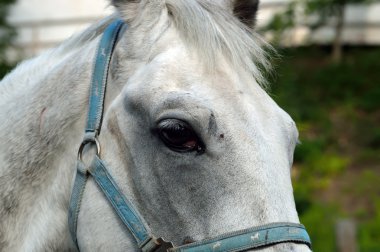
[99,77]
[76,199]
[123,207]
[250,238]
[94,119]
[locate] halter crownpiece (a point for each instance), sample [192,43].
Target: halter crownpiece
[255,237]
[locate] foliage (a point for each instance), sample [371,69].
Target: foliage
[328,8]
[369,232]
[313,14]
[337,111]
[7,34]
[282,21]
[319,221]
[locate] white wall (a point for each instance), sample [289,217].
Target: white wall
[362,25]
[44,23]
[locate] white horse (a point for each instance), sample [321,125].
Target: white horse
[189,135]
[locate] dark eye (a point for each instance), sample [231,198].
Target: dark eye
[179,136]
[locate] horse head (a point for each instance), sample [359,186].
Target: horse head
[189,133]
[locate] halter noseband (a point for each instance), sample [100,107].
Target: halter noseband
[255,237]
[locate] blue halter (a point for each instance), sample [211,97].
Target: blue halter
[251,238]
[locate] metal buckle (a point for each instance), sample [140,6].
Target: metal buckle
[163,246]
[86,141]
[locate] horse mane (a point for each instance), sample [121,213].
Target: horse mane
[210,29]
[19,78]
[78,40]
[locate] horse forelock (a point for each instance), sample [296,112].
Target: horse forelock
[210,29]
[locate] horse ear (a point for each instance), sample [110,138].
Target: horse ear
[246,11]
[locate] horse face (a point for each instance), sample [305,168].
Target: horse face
[199,151]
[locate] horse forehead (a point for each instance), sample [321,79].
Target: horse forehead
[178,68]
[176,72]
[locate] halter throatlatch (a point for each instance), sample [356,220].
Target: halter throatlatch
[255,237]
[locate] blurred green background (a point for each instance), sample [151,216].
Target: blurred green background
[332,91]
[336,167]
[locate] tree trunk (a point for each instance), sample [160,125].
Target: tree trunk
[346,236]
[337,46]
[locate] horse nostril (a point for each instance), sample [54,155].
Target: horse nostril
[188,240]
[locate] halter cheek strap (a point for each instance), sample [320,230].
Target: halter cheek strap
[255,237]
[94,118]
[125,210]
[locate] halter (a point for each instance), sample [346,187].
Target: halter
[255,237]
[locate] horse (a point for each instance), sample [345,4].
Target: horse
[189,134]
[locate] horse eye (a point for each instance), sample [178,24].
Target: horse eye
[179,136]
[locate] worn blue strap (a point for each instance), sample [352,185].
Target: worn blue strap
[95,113]
[99,77]
[250,238]
[76,199]
[123,207]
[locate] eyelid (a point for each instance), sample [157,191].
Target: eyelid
[169,125]
[184,117]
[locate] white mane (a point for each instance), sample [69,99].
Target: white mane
[21,77]
[210,29]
